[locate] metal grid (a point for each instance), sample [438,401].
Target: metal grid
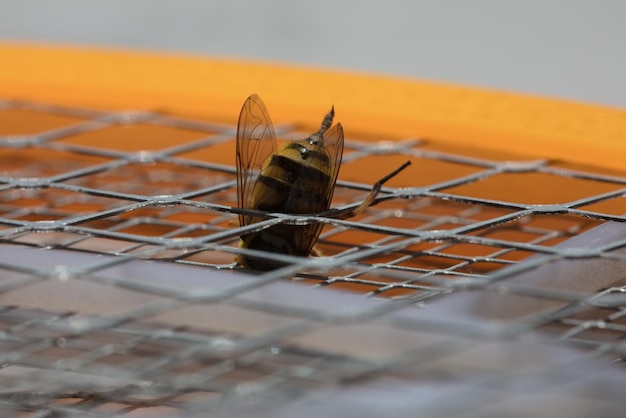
[490,281]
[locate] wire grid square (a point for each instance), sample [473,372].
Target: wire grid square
[118,292]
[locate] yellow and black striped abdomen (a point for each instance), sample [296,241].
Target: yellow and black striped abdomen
[294,180]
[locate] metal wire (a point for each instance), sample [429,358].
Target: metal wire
[487,282]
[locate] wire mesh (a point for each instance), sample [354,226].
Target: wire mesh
[478,282]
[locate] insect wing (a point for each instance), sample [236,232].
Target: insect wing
[256,142]
[333,141]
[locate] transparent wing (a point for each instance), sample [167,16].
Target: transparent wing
[256,142]
[333,141]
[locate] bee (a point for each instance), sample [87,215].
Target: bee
[297,178]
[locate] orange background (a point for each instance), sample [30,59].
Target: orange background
[390,107]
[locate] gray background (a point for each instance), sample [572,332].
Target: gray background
[571,49]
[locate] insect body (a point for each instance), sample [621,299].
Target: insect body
[298,178]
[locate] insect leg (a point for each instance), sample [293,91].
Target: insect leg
[373,193]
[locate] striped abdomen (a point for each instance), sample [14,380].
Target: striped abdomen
[295,180]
